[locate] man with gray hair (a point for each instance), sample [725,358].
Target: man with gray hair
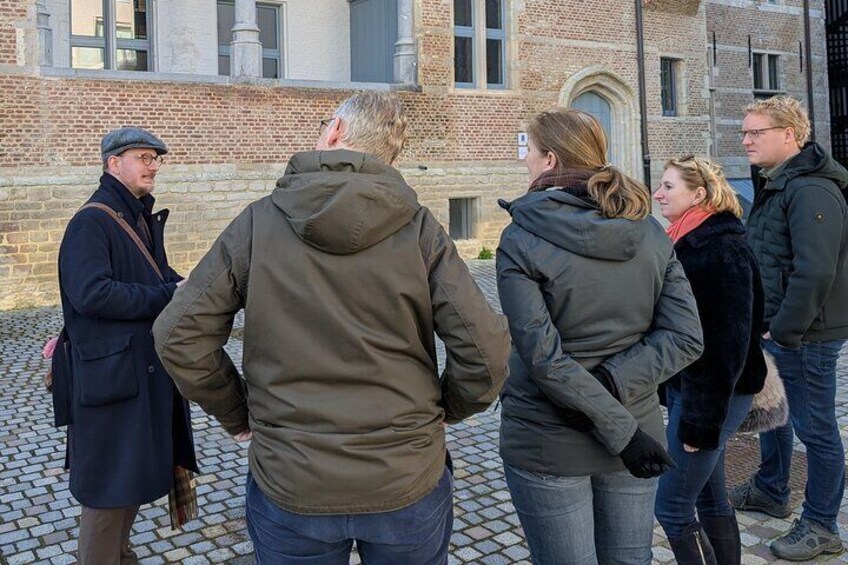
[344,278]
[128,427]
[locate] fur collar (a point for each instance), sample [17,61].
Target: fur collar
[715,226]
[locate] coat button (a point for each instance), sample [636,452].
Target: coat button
[151,369]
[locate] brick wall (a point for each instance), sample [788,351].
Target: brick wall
[229,143]
[774,29]
[228,147]
[12,14]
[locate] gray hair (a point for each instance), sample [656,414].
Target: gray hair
[376,123]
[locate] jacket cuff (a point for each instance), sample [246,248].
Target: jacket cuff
[616,445]
[785,339]
[236,421]
[603,376]
[702,437]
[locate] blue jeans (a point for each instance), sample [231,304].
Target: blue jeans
[809,375]
[698,481]
[419,533]
[591,519]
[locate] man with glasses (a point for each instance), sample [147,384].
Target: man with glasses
[798,230]
[128,426]
[344,278]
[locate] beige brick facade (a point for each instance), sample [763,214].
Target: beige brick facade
[230,140]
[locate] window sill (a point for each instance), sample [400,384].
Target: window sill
[475,91]
[147,76]
[763,93]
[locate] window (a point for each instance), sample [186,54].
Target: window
[766,71]
[599,107]
[479,43]
[462,217]
[110,34]
[373,34]
[668,86]
[268,20]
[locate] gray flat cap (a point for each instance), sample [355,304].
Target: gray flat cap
[117,141]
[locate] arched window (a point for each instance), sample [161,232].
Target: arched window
[596,105]
[600,92]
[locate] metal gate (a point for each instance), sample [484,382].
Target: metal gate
[837,67]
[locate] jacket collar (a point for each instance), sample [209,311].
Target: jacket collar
[716,225]
[122,195]
[811,159]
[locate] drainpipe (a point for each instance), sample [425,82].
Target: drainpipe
[712,60]
[809,56]
[643,104]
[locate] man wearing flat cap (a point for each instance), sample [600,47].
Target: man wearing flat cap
[128,426]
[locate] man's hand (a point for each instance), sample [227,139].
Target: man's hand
[243,436]
[690,449]
[767,337]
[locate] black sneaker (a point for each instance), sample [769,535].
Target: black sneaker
[748,497]
[805,541]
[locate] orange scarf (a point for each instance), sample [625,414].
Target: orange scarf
[691,219]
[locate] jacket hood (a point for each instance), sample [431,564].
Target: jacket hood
[343,202]
[576,225]
[813,160]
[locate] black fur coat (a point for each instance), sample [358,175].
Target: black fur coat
[726,283]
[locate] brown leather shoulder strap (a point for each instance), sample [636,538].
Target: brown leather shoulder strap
[130,232]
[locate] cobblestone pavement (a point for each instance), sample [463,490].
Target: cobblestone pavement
[38,517]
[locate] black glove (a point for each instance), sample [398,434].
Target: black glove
[603,376]
[644,457]
[576,420]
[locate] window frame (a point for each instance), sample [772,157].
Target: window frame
[499,35]
[226,50]
[469,33]
[110,43]
[468,206]
[766,62]
[480,33]
[673,76]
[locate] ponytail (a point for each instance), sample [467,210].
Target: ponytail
[618,195]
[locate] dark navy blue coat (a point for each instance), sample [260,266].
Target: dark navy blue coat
[127,424]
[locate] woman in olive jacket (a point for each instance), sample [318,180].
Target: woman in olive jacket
[709,399]
[600,312]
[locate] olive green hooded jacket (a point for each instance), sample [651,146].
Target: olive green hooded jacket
[344,279]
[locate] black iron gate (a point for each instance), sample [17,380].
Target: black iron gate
[837,68]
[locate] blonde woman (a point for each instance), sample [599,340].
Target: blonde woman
[709,399]
[599,312]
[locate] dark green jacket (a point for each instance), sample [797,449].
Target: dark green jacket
[344,279]
[798,230]
[580,290]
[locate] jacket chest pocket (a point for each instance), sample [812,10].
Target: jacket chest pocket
[105,371]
